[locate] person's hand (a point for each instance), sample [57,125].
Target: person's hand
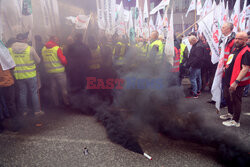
[224,69]
[233,87]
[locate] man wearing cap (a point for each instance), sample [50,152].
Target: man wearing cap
[26,59]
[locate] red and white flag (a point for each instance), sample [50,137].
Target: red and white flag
[80,21]
[138,25]
[199,7]
[242,23]
[169,47]
[226,14]
[165,18]
[208,25]
[159,23]
[206,7]
[235,15]
[222,11]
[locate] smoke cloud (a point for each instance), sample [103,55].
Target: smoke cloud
[164,110]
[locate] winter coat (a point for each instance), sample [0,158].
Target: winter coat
[196,56]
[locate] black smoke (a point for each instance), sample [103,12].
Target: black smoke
[163,109]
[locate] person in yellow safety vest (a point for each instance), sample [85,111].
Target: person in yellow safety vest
[54,62]
[95,61]
[142,47]
[106,49]
[183,60]
[156,48]
[25,74]
[161,37]
[119,53]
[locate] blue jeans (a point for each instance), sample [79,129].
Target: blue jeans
[245,93]
[27,87]
[195,79]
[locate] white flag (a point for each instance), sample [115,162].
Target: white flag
[217,21]
[121,26]
[151,25]
[145,12]
[226,14]
[120,13]
[248,12]
[139,24]
[235,15]
[191,7]
[186,42]
[242,23]
[216,31]
[217,83]
[159,24]
[208,27]
[80,21]
[145,31]
[1,29]
[161,5]
[100,14]
[169,47]
[126,15]
[11,17]
[199,7]
[248,26]
[206,7]
[130,24]
[137,4]
[222,11]
[6,60]
[165,18]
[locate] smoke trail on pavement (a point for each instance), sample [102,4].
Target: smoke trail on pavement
[165,110]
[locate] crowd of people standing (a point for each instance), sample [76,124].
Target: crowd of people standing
[48,73]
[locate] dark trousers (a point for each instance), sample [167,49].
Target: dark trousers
[234,101]
[9,97]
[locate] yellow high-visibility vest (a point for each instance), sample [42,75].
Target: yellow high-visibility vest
[119,56]
[159,54]
[95,62]
[183,47]
[51,61]
[160,46]
[25,67]
[143,49]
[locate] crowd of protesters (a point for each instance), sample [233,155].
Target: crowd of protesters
[48,73]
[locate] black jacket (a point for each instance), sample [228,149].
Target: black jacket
[196,56]
[78,55]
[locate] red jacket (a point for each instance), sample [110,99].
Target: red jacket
[228,50]
[176,65]
[237,68]
[60,55]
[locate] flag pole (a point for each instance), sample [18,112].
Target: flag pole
[195,23]
[85,33]
[195,12]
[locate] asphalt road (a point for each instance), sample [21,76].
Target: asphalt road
[59,137]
